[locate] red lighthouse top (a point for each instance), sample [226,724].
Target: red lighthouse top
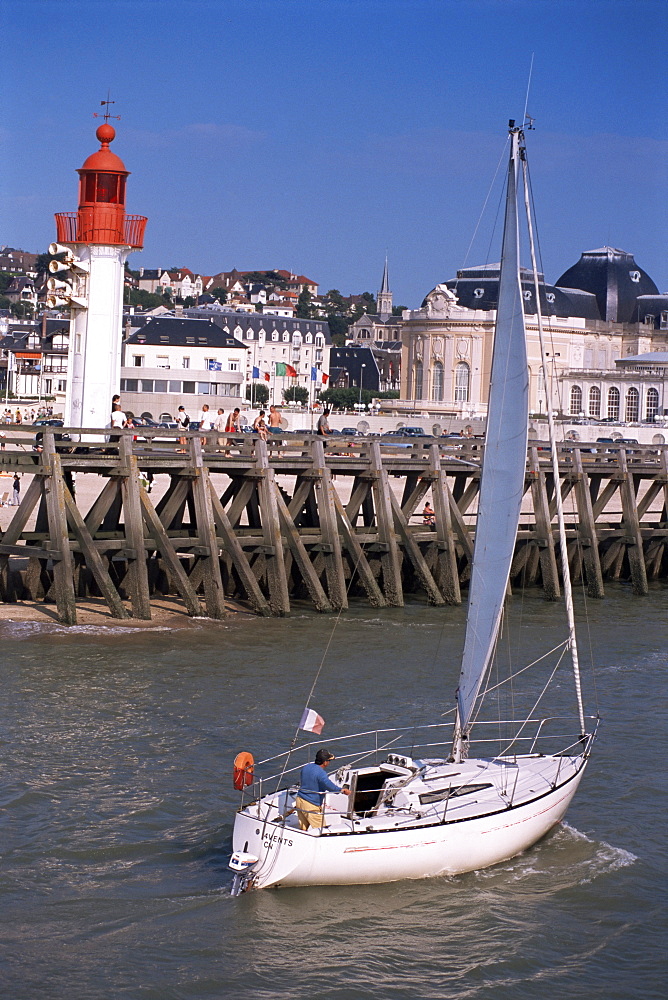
[101,217]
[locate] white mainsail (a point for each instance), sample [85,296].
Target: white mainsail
[502,480]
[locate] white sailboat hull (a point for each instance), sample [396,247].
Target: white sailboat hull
[291,857]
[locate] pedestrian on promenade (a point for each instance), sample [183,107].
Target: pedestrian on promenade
[219,426]
[323,427]
[16,492]
[232,425]
[183,420]
[274,421]
[260,426]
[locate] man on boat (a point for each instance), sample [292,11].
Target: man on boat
[314,784]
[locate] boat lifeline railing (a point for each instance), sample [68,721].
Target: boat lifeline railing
[388,741]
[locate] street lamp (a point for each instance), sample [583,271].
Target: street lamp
[361,377]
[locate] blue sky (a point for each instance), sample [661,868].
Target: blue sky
[319,135]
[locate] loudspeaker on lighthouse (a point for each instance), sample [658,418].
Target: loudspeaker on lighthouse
[95,241]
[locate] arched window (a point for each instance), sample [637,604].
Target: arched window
[418,380]
[613,404]
[462,381]
[437,383]
[576,401]
[652,405]
[595,402]
[365,334]
[632,404]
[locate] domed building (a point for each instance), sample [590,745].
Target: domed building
[602,309]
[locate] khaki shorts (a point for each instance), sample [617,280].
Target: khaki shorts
[308,814]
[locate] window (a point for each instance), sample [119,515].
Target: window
[589,358]
[663,322]
[632,404]
[62,385]
[164,338]
[203,388]
[418,380]
[602,358]
[159,386]
[203,341]
[189,387]
[129,385]
[286,337]
[437,383]
[462,382]
[185,363]
[274,335]
[162,361]
[308,338]
[233,364]
[595,402]
[576,401]
[138,360]
[613,404]
[652,405]
[146,385]
[250,334]
[174,386]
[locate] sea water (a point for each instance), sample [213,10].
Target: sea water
[117,808]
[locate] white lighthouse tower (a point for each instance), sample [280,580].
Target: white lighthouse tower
[96,241]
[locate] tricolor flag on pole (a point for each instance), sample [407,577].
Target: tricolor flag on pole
[318,376]
[311,722]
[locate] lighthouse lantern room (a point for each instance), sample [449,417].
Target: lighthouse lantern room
[95,242]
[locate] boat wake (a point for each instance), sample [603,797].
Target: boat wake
[565,859]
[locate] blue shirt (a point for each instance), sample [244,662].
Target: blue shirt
[314,783]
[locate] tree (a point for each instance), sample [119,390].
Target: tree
[305,305]
[5,280]
[219,293]
[258,392]
[296,394]
[338,327]
[189,301]
[345,399]
[397,310]
[140,297]
[22,310]
[4,302]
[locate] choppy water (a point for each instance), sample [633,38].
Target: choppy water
[117,804]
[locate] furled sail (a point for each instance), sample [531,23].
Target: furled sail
[504,463]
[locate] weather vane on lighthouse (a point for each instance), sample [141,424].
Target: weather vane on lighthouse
[107,114]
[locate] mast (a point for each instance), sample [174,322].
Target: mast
[561,523]
[504,466]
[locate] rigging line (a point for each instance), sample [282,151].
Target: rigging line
[322,663]
[482,210]
[551,381]
[535,706]
[563,550]
[526,102]
[562,646]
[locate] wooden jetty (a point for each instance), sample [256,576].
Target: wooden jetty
[302,518]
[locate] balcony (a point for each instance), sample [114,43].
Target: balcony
[74,227]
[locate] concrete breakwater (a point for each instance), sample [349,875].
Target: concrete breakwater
[301,518]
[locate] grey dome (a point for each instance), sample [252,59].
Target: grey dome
[614,278]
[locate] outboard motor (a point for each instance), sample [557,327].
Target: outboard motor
[242,864]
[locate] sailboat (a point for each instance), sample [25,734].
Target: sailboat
[444,801]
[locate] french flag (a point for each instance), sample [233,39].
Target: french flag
[311,722]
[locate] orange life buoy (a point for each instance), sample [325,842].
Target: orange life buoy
[243,769]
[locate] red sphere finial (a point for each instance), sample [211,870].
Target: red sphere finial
[106,133]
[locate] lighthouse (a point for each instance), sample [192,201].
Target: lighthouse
[95,241]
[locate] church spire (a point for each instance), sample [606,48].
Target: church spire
[385,296]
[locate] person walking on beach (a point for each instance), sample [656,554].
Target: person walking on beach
[16,492]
